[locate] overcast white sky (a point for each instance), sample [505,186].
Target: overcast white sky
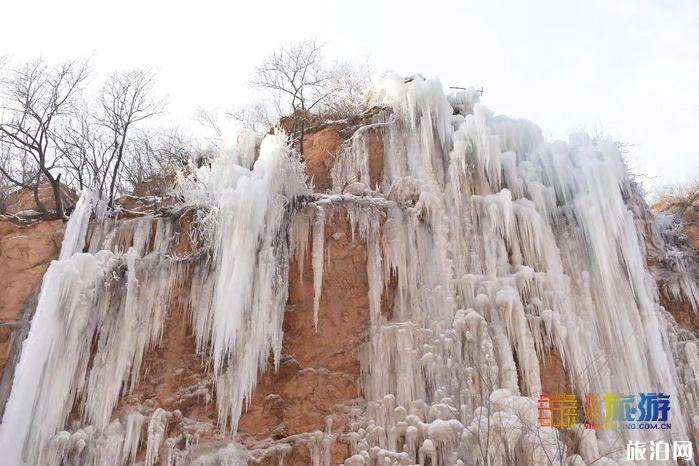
[627,67]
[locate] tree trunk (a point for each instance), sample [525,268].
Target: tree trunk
[117,164]
[303,134]
[57,195]
[40,205]
[112,184]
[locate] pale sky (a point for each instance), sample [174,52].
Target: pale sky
[629,68]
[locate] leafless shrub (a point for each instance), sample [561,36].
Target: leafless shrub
[257,117]
[154,153]
[681,195]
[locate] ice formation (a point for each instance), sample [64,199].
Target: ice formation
[503,248]
[499,248]
[679,277]
[113,300]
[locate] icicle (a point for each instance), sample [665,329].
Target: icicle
[230,455]
[55,350]
[318,256]
[132,436]
[241,324]
[536,240]
[299,233]
[76,229]
[99,298]
[157,429]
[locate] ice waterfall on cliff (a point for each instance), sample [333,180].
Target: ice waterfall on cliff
[499,248]
[116,296]
[503,248]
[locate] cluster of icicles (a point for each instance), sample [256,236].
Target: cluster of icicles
[497,247]
[100,310]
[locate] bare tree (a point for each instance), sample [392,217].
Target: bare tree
[202,151]
[209,119]
[103,148]
[154,153]
[125,101]
[300,83]
[84,151]
[17,171]
[257,117]
[5,189]
[37,99]
[17,167]
[352,80]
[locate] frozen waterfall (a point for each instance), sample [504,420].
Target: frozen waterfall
[500,249]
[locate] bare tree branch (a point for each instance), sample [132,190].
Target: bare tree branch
[37,100]
[125,101]
[300,83]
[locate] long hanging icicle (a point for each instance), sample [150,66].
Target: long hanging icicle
[242,322]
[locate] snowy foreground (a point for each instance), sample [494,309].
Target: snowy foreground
[501,247]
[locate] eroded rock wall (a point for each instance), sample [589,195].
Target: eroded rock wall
[25,254]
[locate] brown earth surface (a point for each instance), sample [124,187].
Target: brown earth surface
[25,254]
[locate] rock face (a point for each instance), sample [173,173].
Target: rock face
[319,149]
[318,374]
[23,200]
[25,254]
[674,256]
[320,368]
[323,146]
[684,207]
